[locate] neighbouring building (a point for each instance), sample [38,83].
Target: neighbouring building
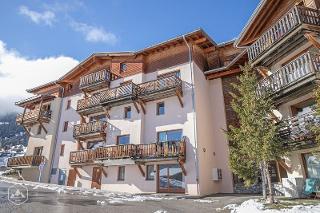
[146,121]
[282,41]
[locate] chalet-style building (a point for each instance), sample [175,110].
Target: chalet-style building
[282,40]
[144,121]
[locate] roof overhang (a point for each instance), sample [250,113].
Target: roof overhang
[34,99]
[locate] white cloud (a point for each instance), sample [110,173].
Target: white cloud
[94,34]
[47,17]
[20,73]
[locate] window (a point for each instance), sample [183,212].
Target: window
[150,172]
[38,151]
[62,149]
[101,117]
[123,139]
[312,165]
[123,67]
[160,108]
[127,112]
[39,130]
[68,104]
[173,135]
[121,173]
[65,126]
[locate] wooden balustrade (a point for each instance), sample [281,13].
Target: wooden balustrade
[31,160]
[88,103]
[300,68]
[291,20]
[163,150]
[87,129]
[125,91]
[82,157]
[92,79]
[33,116]
[159,85]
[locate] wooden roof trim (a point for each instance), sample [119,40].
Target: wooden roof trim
[223,74]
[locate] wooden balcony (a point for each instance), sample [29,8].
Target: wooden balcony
[122,94]
[82,157]
[297,73]
[33,116]
[89,105]
[25,161]
[91,130]
[287,24]
[297,131]
[95,81]
[171,150]
[163,87]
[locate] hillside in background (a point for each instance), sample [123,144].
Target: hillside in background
[10,133]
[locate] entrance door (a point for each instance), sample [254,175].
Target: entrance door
[170,179]
[62,177]
[71,177]
[96,178]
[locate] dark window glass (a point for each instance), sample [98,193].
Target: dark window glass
[123,67]
[69,104]
[39,130]
[123,139]
[127,112]
[65,126]
[121,173]
[173,135]
[62,150]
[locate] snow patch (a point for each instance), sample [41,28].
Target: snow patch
[204,201]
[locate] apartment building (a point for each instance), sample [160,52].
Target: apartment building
[144,121]
[282,41]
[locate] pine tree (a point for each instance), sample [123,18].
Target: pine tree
[254,142]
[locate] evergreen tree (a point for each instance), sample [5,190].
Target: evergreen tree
[254,142]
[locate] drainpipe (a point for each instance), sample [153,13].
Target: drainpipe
[194,114]
[56,135]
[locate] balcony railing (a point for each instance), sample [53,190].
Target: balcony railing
[122,92]
[298,130]
[33,116]
[82,157]
[88,103]
[101,77]
[291,20]
[32,160]
[89,129]
[300,68]
[161,87]
[136,152]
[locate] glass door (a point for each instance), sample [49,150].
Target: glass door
[170,179]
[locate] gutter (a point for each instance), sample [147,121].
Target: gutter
[194,115]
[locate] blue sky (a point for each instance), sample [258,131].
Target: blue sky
[134,24]
[42,40]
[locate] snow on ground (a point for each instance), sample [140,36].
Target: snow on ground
[204,201]
[253,206]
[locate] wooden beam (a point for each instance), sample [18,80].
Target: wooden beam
[24,112]
[182,168]
[83,119]
[106,110]
[179,95]
[141,170]
[104,172]
[80,145]
[45,130]
[136,106]
[27,131]
[200,40]
[263,71]
[142,106]
[312,39]
[222,74]
[209,49]
[285,166]
[77,172]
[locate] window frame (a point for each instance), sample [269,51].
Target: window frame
[121,169]
[121,68]
[153,170]
[158,108]
[166,131]
[62,148]
[126,110]
[65,126]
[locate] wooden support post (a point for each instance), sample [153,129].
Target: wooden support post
[80,145]
[182,168]
[136,106]
[141,170]
[285,166]
[312,39]
[104,172]
[106,110]
[179,95]
[27,131]
[24,112]
[263,71]
[83,119]
[142,106]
